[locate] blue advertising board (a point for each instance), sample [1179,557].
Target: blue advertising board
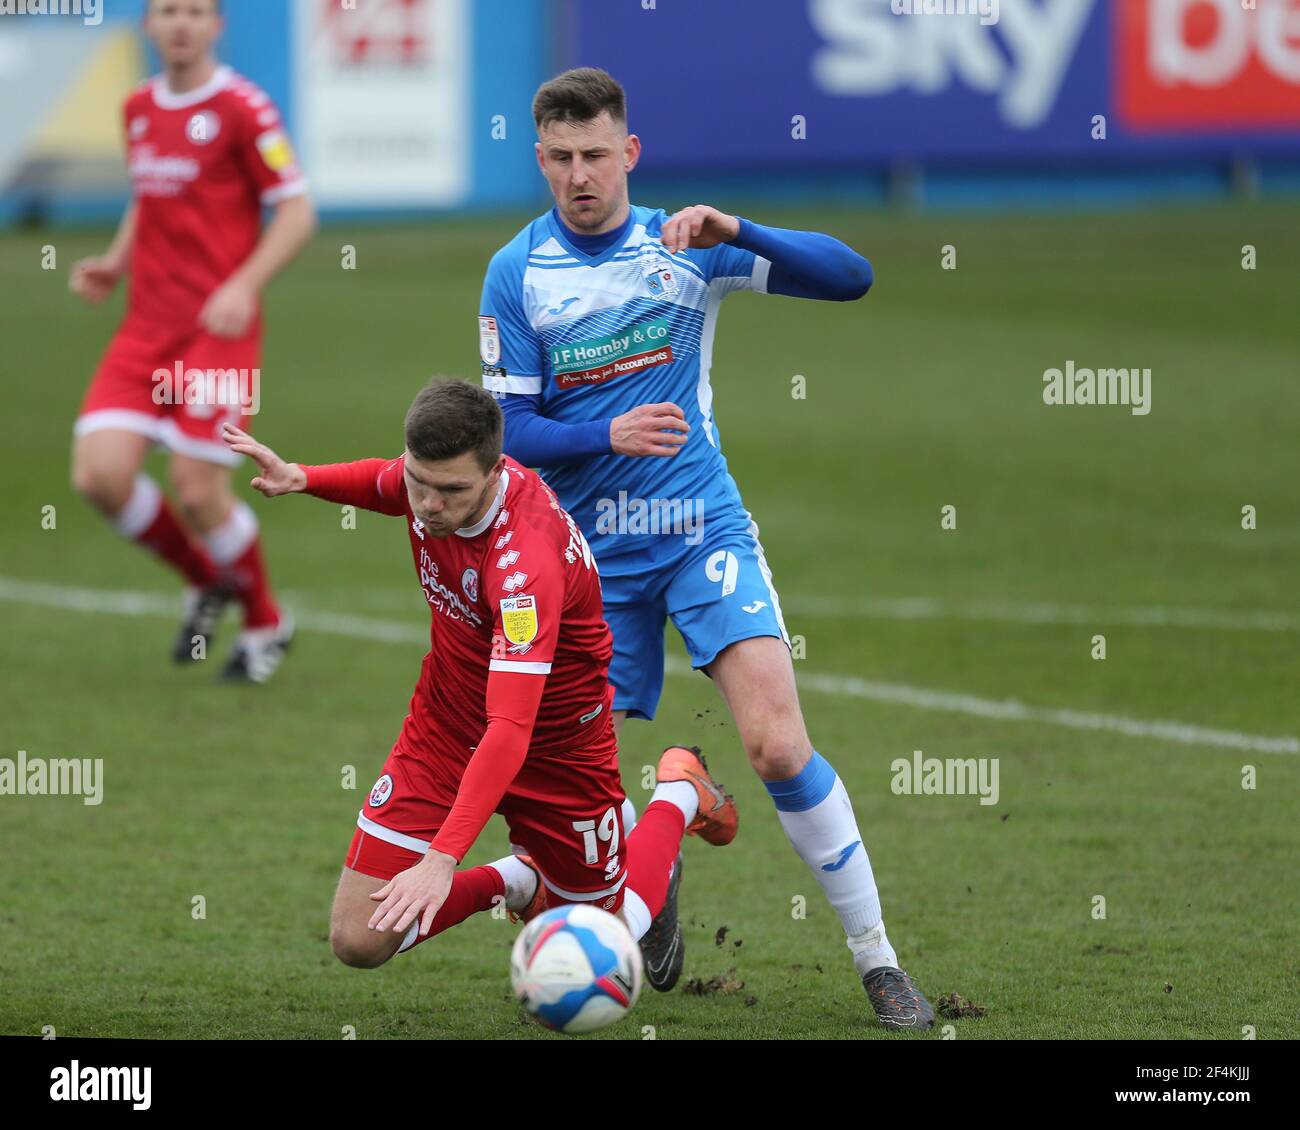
[748,83]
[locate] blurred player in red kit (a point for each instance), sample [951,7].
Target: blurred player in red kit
[206,152]
[511,713]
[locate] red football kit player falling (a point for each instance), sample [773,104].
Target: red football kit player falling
[517,635]
[204,160]
[511,713]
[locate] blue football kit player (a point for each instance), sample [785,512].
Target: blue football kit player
[596,334]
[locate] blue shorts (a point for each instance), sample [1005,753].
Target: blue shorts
[717,593]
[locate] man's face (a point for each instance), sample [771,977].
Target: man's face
[182,31]
[586,164]
[449,494]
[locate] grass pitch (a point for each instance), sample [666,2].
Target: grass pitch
[1072,522]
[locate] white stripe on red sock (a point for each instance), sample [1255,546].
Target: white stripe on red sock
[140,509]
[228,541]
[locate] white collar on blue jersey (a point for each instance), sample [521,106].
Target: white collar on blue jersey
[493,510]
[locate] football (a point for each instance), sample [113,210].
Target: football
[576,969]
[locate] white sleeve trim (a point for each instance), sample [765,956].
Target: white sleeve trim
[519,667]
[278,192]
[758,279]
[528,386]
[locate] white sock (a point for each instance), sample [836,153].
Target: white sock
[140,509]
[680,793]
[520,881]
[817,815]
[629,816]
[871,949]
[227,542]
[636,915]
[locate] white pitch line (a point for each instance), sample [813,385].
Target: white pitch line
[126,603]
[122,602]
[1031,612]
[1009,611]
[1186,733]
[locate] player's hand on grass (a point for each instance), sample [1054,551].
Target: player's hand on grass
[417,892]
[649,429]
[229,310]
[94,279]
[698,226]
[277,476]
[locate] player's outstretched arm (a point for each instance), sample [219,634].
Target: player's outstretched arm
[804,264]
[96,277]
[275,477]
[372,484]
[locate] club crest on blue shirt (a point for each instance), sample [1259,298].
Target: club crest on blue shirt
[660,279]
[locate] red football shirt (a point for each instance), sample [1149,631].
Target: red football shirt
[517,593]
[202,165]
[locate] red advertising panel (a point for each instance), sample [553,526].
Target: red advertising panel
[1207,64]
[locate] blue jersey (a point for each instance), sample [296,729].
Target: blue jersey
[594,337]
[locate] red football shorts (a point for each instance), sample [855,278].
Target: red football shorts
[176,389]
[566,815]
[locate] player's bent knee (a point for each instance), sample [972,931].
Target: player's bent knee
[106,488]
[360,949]
[205,502]
[778,757]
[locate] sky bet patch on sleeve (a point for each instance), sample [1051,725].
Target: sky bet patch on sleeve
[519,618]
[600,359]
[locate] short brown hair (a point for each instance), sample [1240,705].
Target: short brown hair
[579,96]
[449,418]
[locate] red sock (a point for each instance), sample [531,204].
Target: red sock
[170,541]
[254,588]
[471,891]
[651,848]
[237,549]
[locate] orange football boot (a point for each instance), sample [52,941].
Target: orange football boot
[717,819]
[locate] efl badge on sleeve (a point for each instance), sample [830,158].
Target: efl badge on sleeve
[519,618]
[275,150]
[489,340]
